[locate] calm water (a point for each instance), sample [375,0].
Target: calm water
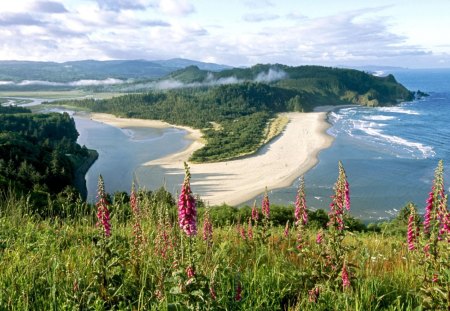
[389,153]
[121,153]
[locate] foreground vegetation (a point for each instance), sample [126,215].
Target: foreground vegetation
[143,252]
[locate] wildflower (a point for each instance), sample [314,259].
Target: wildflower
[345,279]
[340,200]
[313,294]
[426,250]
[238,296]
[242,232]
[265,208]
[212,292]
[255,214]
[286,230]
[428,211]
[187,211]
[190,271]
[207,230]
[435,278]
[300,213]
[411,229]
[319,237]
[250,229]
[102,208]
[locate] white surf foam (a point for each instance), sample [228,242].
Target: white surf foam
[379,118]
[398,109]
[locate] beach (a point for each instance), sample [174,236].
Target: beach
[276,165]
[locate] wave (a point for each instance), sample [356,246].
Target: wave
[398,109]
[379,118]
[409,146]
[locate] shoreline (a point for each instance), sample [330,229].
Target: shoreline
[277,165]
[123,123]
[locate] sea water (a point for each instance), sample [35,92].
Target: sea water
[389,153]
[123,151]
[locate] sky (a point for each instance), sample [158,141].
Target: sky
[403,33]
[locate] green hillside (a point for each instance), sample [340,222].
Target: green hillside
[39,154]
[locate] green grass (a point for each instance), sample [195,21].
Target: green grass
[50,265]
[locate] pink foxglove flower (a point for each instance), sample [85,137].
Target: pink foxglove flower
[428,212]
[255,213]
[103,215]
[286,229]
[412,230]
[300,213]
[187,210]
[319,237]
[250,229]
[238,296]
[207,230]
[190,271]
[265,208]
[345,278]
[340,200]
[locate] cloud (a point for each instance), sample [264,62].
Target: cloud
[260,17]
[271,75]
[176,7]
[48,7]
[16,19]
[119,5]
[258,3]
[108,81]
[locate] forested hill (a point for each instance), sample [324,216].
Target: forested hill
[234,107]
[316,85]
[38,152]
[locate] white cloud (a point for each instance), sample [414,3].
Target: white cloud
[48,7]
[160,29]
[260,17]
[271,75]
[176,7]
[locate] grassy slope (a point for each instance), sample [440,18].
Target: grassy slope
[56,263]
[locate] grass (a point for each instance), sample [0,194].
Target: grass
[149,263]
[49,264]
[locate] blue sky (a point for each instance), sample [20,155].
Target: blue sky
[403,33]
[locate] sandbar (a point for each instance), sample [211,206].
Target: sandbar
[276,165]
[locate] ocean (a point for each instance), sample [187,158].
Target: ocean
[389,153]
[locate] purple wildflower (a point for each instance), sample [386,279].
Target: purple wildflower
[286,229]
[238,296]
[255,214]
[102,208]
[300,213]
[187,211]
[319,237]
[207,230]
[265,207]
[345,278]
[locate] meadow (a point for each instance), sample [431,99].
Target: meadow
[148,252]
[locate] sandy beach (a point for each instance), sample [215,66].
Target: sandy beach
[110,119]
[276,165]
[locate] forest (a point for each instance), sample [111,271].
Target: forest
[38,152]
